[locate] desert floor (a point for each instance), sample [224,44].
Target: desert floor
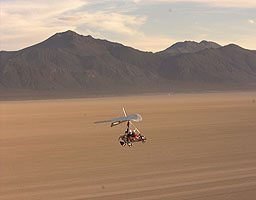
[200,146]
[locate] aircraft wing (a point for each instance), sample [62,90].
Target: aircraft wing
[116,121]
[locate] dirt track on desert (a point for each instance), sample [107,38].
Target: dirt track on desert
[200,146]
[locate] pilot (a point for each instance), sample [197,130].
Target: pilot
[130,133]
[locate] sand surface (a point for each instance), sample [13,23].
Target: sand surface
[199,147]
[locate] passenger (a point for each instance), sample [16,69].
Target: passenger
[134,134]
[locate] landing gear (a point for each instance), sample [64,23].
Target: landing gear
[131,136]
[122,143]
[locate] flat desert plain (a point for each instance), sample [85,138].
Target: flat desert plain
[200,146]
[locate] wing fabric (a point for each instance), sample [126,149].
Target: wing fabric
[135,117]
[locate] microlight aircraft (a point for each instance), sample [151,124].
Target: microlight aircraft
[132,133]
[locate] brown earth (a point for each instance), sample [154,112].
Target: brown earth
[199,147]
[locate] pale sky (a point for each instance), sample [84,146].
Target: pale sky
[143,24]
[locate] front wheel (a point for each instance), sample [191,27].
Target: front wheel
[122,143]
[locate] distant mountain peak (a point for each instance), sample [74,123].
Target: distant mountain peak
[64,39]
[182,44]
[71,33]
[233,46]
[68,32]
[189,47]
[204,41]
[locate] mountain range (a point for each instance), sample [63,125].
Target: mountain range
[70,64]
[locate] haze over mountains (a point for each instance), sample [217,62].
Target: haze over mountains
[68,62]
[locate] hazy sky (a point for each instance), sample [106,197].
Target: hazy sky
[143,24]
